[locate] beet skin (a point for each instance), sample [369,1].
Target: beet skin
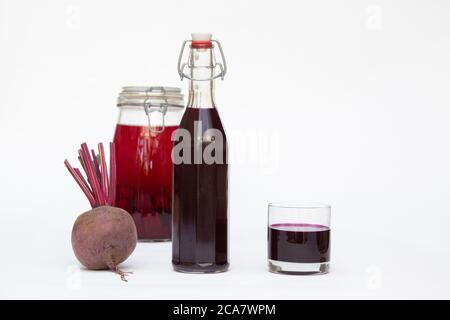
[104,237]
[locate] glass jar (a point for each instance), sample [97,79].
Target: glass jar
[148,117]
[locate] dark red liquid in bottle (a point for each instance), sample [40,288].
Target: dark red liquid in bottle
[144,178]
[200,223]
[299,242]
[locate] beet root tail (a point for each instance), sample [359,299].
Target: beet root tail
[122,274]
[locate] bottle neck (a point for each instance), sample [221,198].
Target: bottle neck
[201,93]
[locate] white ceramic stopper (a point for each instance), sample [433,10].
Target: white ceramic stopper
[201,36]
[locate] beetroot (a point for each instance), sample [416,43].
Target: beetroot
[104,237]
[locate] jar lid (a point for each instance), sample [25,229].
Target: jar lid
[151,96]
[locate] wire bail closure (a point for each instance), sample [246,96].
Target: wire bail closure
[221,65]
[149,108]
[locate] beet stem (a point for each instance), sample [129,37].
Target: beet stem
[104,172]
[96,167]
[92,177]
[112,173]
[99,188]
[80,175]
[80,158]
[81,183]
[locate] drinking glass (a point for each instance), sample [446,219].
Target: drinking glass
[299,238]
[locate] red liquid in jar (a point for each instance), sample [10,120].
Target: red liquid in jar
[144,178]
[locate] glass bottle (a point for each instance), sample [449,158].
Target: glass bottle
[148,116]
[200,209]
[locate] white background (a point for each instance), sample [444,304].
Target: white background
[353,97]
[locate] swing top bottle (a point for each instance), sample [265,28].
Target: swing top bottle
[200,185]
